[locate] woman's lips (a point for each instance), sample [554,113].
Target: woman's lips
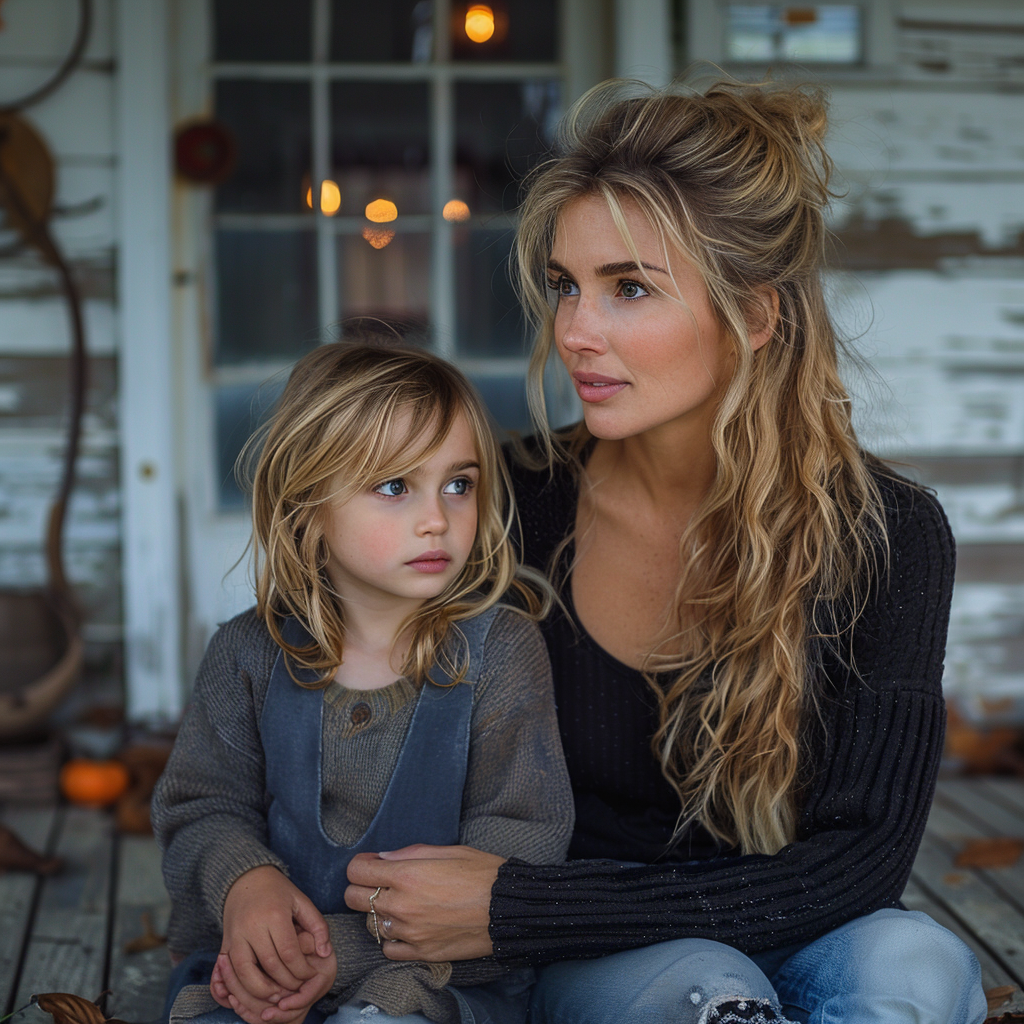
[430,561]
[595,387]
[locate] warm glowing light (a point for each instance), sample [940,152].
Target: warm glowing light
[380,211]
[330,197]
[479,23]
[455,209]
[378,237]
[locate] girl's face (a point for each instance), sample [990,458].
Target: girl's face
[404,539]
[639,358]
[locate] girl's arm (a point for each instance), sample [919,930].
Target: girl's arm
[209,816]
[875,758]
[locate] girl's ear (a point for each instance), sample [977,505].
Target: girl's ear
[766,306]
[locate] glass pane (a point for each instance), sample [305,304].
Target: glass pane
[387,275]
[238,410]
[271,125]
[401,30]
[505,397]
[489,319]
[525,30]
[262,30]
[501,130]
[380,145]
[266,295]
[825,33]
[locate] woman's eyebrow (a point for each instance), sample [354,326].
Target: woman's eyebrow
[612,269]
[459,467]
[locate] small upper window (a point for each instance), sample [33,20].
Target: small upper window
[819,34]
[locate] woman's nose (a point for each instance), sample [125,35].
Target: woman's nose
[579,328]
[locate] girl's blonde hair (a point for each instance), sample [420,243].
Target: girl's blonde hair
[778,559]
[362,413]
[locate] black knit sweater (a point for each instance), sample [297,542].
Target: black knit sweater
[871,761]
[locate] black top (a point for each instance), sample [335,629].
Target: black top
[871,766]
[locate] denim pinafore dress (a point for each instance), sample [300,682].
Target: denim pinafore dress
[422,804]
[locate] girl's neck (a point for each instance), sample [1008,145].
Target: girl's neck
[374,649]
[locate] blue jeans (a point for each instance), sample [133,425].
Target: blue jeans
[890,967]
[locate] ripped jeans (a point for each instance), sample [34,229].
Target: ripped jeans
[889,967]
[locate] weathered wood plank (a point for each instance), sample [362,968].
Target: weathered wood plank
[17,893]
[138,981]
[67,946]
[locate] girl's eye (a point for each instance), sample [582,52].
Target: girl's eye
[391,488]
[460,485]
[632,290]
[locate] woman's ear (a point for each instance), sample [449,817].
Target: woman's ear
[766,307]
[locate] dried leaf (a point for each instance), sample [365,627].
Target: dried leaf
[148,940]
[1001,852]
[69,1009]
[999,996]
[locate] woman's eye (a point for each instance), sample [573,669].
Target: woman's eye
[563,286]
[460,485]
[632,290]
[391,488]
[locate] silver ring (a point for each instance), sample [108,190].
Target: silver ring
[373,912]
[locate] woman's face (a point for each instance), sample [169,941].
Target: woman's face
[640,359]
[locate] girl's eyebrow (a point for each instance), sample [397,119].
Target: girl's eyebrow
[612,269]
[455,467]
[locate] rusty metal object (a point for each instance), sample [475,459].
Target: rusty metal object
[41,648]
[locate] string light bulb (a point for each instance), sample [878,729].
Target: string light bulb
[455,209]
[330,197]
[479,23]
[381,211]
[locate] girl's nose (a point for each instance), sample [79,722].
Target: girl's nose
[432,519]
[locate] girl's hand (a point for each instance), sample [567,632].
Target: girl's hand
[263,916]
[293,1006]
[437,899]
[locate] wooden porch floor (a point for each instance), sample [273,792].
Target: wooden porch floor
[68,933]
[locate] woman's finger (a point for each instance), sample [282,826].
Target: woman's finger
[437,898]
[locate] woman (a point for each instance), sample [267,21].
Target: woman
[748,664]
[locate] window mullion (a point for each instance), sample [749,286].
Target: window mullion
[327,261]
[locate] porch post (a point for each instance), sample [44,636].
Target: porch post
[643,40]
[150,569]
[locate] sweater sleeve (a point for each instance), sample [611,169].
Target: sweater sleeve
[517,800]
[875,759]
[209,810]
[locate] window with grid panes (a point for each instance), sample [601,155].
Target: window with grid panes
[379,151]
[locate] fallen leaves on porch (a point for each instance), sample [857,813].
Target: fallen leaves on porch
[999,996]
[1001,852]
[147,940]
[66,1008]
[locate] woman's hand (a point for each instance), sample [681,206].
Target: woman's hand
[436,898]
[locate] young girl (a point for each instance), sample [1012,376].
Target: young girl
[377,695]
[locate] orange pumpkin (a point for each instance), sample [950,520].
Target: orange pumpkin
[93,783]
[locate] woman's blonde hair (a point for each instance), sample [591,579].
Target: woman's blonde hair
[362,413]
[777,560]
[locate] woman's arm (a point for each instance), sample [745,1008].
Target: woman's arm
[875,759]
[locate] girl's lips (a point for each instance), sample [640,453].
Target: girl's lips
[430,561]
[595,387]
